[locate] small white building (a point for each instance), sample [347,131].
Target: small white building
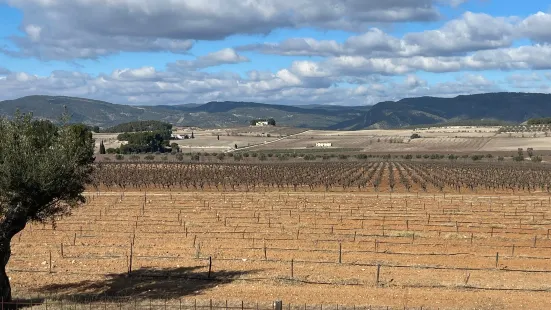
[324,144]
[262,123]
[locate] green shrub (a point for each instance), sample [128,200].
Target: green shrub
[518,158]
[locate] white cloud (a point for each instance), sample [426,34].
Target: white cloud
[470,32]
[536,27]
[413,81]
[224,56]
[33,32]
[59,29]
[149,86]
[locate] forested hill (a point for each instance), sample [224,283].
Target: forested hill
[511,107]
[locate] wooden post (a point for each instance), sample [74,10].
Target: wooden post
[131,256]
[75,239]
[497,259]
[210,266]
[340,253]
[292,268]
[62,249]
[278,305]
[378,273]
[535,240]
[513,251]
[265,252]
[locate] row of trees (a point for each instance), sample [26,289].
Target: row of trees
[539,121]
[240,156]
[139,126]
[145,142]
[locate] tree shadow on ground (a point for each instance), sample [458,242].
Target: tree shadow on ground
[144,283]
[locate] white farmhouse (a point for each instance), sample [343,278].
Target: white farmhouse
[262,123]
[324,144]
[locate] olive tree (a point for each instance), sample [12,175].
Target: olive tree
[44,169]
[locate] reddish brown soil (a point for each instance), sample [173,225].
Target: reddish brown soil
[434,251]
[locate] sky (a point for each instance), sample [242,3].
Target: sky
[336,52]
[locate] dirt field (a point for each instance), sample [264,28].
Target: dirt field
[438,140]
[458,140]
[472,251]
[215,140]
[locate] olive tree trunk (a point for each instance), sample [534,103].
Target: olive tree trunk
[5,288]
[14,222]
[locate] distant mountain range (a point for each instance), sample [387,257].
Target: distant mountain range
[512,107]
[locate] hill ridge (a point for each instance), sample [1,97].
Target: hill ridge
[505,106]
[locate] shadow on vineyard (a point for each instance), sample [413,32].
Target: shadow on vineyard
[144,283]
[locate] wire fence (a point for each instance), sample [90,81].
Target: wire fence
[126,303]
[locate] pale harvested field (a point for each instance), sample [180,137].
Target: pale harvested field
[438,140]
[206,140]
[435,251]
[434,140]
[512,144]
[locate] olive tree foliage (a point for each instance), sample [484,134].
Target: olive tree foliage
[44,169]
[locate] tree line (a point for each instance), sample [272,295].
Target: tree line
[139,126]
[539,121]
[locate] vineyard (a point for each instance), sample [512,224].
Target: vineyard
[352,235]
[378,176]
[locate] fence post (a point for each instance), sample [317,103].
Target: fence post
[378,273]
[130,260]
[497,258]
[278,305]
[210,266]
[340,253]
[292,268]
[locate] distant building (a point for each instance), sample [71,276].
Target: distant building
[177,137]
[324,144]
[263,122]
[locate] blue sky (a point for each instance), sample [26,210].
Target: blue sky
[353,52]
